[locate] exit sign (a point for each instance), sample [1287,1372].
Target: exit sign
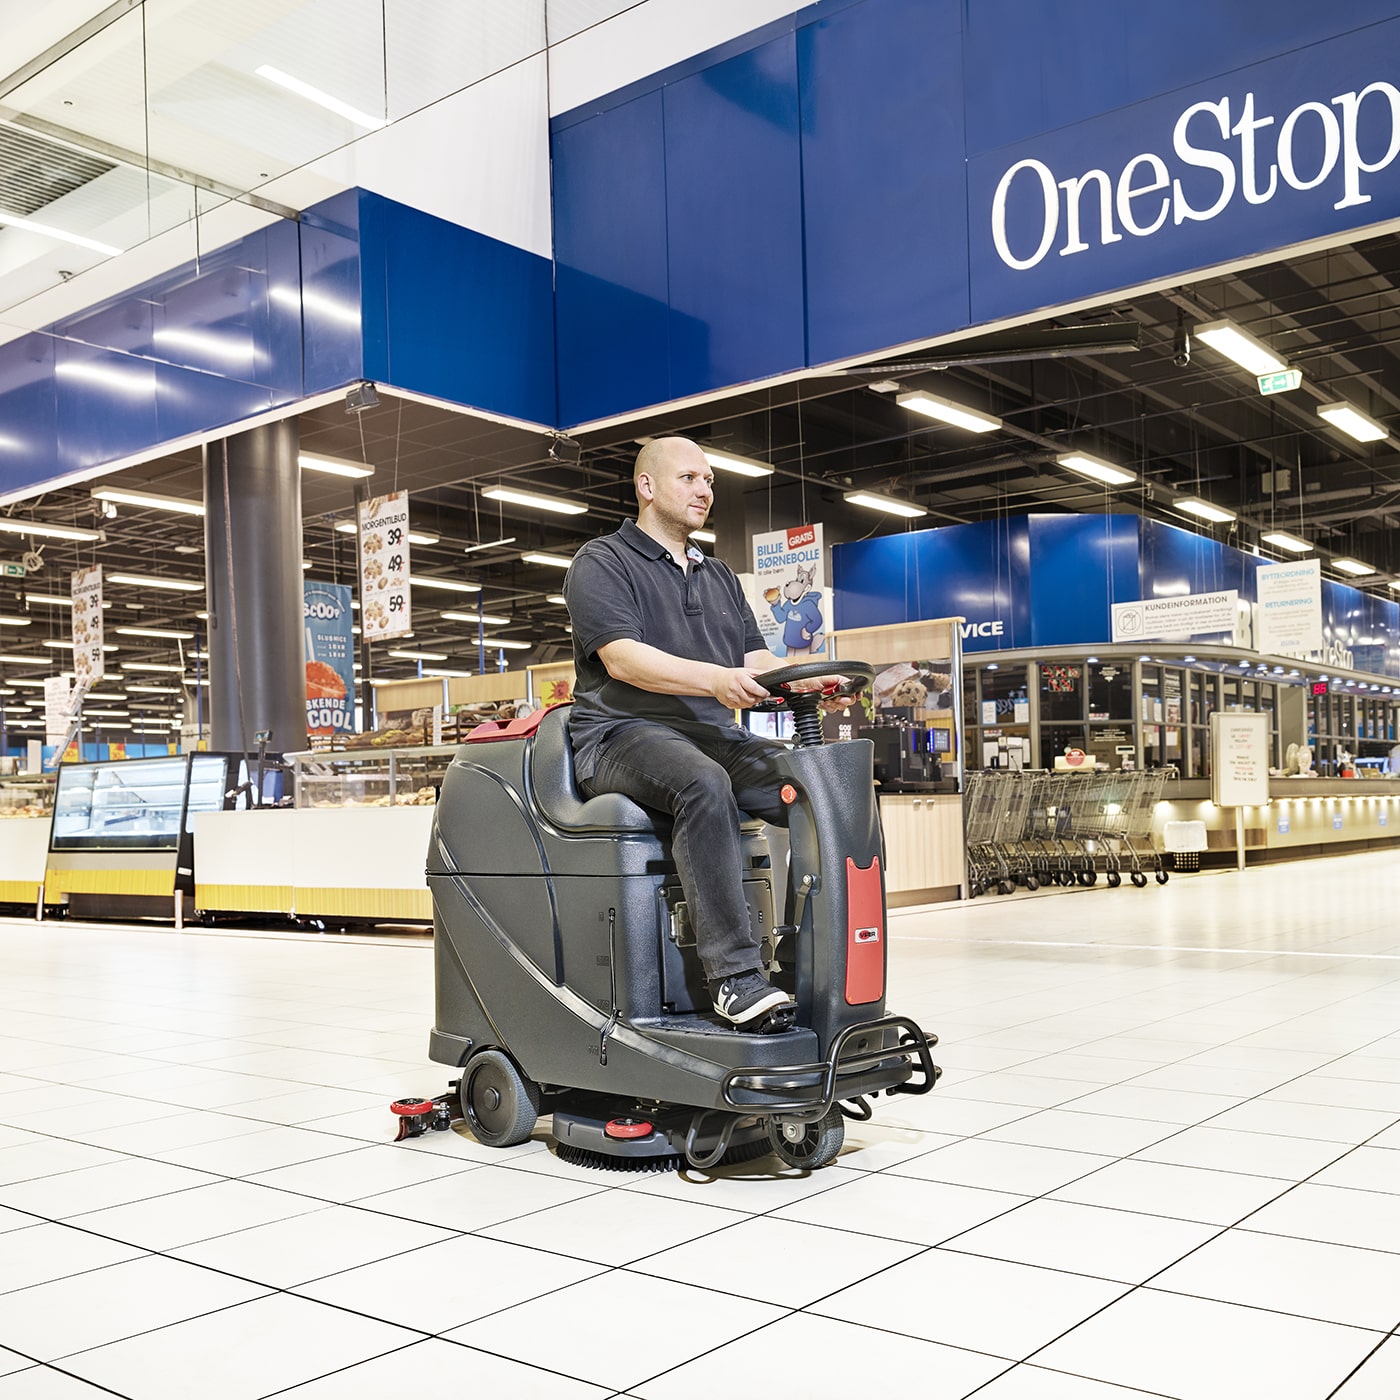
[11,570]
[1281,382]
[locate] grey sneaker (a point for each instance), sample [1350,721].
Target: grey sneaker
[746,996]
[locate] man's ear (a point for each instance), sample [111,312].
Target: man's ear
[645,487]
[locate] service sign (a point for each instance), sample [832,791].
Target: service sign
[330,658]
[87,625]
[384,594]
[1289,618]
[1188,615]
[792,599]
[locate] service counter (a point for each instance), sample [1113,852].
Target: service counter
[1303,816]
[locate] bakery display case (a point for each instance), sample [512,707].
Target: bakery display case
[26,809]
[383,777]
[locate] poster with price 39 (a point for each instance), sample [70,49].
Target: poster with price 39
[384,595]
[86,592]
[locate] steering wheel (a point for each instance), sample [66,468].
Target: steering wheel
[859,674]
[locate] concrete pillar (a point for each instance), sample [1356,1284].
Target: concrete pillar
[252,544]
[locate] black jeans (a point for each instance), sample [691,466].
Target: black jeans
[702,783]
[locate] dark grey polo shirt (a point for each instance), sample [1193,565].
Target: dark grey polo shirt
[627,585]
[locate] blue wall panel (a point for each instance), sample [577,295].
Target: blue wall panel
[610,261]
[28,412]
[734,220]
[329,284]
[867,205]
[1080,565]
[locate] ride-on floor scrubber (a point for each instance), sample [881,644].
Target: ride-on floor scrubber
[567,980]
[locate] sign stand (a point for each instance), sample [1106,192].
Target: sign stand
[1239,767]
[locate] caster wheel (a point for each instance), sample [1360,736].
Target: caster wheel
[498,1102]
[1032,883]
[1139,879]
[1088,877]
[808,1145]
[1006,887]
[1162,877]
[1114,879]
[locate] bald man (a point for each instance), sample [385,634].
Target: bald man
[666,648]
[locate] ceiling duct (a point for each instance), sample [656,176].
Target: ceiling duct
[35,172]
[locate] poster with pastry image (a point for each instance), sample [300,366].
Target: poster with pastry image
[384,591]
[86,592]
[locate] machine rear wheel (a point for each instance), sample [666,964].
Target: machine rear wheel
[808,1145]
[500,1105]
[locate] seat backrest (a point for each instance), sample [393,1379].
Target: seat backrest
[555,790]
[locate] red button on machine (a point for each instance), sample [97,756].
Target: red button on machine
[788,793]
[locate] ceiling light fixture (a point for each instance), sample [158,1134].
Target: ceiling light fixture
[946,411]
[1194,505]
[154,689]
[332,466]
[147,498]
[704,536]
[556,598]
[169,633]
[12,525]
[419,655]
[1351,421]
[451,585]
[61,234]
[557,561]
[1236,344]
[348,527]
[1353,566]
[152,666]
[321,99]
[731,462]
[560,505]
[15,621]
[1281,539]
[19,659]
[177,585]
[506,644]
[1096,468]
[491,544]
[891,505]
[487,619]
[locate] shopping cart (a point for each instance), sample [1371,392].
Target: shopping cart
[1111,819]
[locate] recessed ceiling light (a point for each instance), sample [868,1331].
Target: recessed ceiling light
[891,505]
[560,505]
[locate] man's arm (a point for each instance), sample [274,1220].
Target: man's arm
[650,668]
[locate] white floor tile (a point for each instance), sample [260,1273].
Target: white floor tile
[48,1157]
[1001,1166]
[288,1252]
[1026,1089]
[12,1361]
[52,1320]
[1187,1193]
[761,1185]
[840,1355]
[965,1300]
[811,1261]
[1340,1093]
[1233,1351]
[167,1222]
[261,1151]
[1083,1069]
[902,1208]
[1329,1282]
[621,1329]
[615,1227]
[1154,1105]
[15,1219]
[445,1285]
[387,1376]
[92,1188]
[309,1106]
[1365,1168]
[1256,1154]
[46,1252]
[1379,1376]
[1336,1214]
[46,1383]
[874,1147]
[473,1200]
[1028,1382]
[1082,1132]
[361,1171]
[1378,1068]
[1304,1120]
[262,1346]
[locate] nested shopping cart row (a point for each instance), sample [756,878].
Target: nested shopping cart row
[1034,828]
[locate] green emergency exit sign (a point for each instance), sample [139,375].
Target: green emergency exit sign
[1281,382]
[11,570]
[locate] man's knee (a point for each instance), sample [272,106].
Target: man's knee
[706,789]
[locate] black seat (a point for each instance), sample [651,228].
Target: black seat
[556,791]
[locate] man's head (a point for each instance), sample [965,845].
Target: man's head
[674,485]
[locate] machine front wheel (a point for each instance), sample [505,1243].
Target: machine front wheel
[808,1145]
[498,1102]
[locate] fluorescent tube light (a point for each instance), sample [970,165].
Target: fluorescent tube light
[170,634]
[488,544]
[560,505]
[147,498]
[1283,540]
[556,598]
[507,645]
[946,411]
[321,99]
[154,689]
[444,671]
[557,560]
[1096,467]
[731,462]
[486,619]
[15,621]
[58,645]
[1194,505]
[62,234]
[1352,421]
[13,525]
[348,527]
[152,666]
[332,466]
[452,586]
[1353,566]
[889,504]
[704,536]
[419,655]
[19,659]
[177,585]
[1236,344]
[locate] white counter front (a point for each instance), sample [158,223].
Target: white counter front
[24,849]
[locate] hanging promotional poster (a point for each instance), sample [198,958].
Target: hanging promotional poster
[87,626]
[384,596]
[792,592]
[330,658]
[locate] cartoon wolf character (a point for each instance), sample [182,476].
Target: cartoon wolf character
[797,608]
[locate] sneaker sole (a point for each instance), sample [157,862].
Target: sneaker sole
[774,999]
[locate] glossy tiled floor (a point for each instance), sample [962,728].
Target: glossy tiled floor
[1164,1160]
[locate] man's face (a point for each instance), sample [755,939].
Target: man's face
[683,492]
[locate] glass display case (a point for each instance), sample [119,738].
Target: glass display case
[30,795]
[390,777]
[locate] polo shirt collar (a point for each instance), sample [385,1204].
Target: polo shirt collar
[633,534]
